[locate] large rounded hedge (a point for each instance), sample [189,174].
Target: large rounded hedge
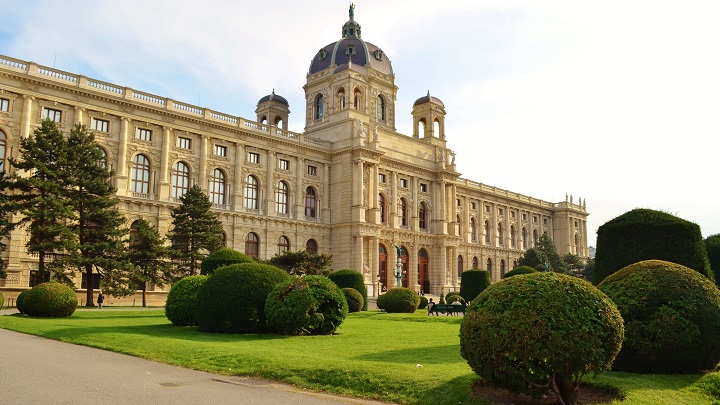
[20,302]
[232,300]
[520,270]
[562,327]
[354,299]
[309,305]
[712,245]
[474,282]
[399,299]
[181,303]
[347,278]
[672,318]
[50,300]
[644,234]
[221,258]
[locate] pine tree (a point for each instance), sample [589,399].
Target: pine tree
[196,232]
[546,246]
[39,184]
[149,256]
[5,224]
[534,258]
[99,225]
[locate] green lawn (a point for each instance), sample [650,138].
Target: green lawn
[373,355]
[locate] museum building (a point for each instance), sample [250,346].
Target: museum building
[350,185]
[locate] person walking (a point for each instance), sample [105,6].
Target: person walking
[100,299]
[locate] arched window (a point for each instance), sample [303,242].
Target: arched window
[357,99]
[514,263]
[283,245]
[102,161]
[475,262]
[403,212]
[436,128]
[217,187]
[487,232]
[489,265]
[281,198]
[180,179]
[460,265]
[223,236]
[251,193]
[133,233]
[502,268]
[381,108]
[263,120]
[311,246]
[513,242]
[140,175]
[310,203]
[473,230]
[500,234]
[421,128]
[381,205]
[319,107]
[252,245]
[278,122]
[341,98]
[535,237]
[3,146]
[422,214]
[524,238]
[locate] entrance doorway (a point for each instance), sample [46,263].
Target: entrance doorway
[423,272]
[382,266]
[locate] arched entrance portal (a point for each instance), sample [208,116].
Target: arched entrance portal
[382,266]
[423,273]
[405,262]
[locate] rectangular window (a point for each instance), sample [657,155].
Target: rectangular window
[183,143]
[458,202]
[512,214]
[220,150]
[423,187]
[576,224]
[487,209]
[534,219]
[312,170]
[52,115]
[4,105]
[500,211]
[253,157]
[101,125]
[283,164]
[144,134]
[381,176]
[403,183]
[472,205]
[524,217]
[544,221]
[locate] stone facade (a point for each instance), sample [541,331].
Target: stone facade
[349,185]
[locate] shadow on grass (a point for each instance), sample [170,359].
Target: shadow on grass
[444,354]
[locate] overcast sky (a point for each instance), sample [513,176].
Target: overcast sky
[617,102]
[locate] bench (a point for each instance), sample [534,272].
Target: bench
[447,309]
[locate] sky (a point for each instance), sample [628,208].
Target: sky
[616,102]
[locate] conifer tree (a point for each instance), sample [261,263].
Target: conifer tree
[99,225]
[149,256]
[5,224]
[546,246]
[196,232]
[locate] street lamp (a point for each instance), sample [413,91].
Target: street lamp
[399,272]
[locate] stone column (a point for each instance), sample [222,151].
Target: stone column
[270,184]
[326,194]
[441,277]
[202,170]
[394,202]
[413,277]
[358,178]
[26,114]
[415,206]
[238,180]
[164,182]
[454,271]
[122,174]
[375,265]
[79,115]
[299,190]
[358,257]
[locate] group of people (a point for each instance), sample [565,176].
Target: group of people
[432,309]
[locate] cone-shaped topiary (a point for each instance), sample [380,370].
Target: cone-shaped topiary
[672,318]
[354,299]
[474,282]
[232,300]
[222,257]
[399,299]
[562,328]
[181,304]
[644,234]
[350,278]
[308,305]
[520,270]
[50,300]
[423,302]
[712,245]
[20,302]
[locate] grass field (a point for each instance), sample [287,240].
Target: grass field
[373,355]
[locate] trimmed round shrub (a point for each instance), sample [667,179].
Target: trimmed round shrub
[423,302]
[232,299]
[222,257]
[562,328]
[399,300]
[181,304]
[309,305]
[712,245]
[347,278]
[20,302]
[520,270]
[644,234]
[474,282]
[50,300]
[672,318]
[450,297]
[354,299]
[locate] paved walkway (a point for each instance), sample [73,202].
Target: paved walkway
[35,370]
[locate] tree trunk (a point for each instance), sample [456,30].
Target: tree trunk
[143,294]
[568,392]
[89,300]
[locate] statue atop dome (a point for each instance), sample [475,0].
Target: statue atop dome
[352,11]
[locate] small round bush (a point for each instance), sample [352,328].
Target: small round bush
[672,318]
[20,302]
[222,257]
[350,278]
[181,304]
[520,270]
[450,297]
[354,299]
[423,302]
[50,300]
[399,299]
[232,299]
[561,329]
[474,282]
[309,305]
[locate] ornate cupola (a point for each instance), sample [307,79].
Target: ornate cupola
[429,119]
[273,109]
[351,29]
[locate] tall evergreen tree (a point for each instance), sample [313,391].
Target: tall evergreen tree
[546,246]
[534,258]
[39,185]
[99,225]
[196,232]
[149,256]
[5,224]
